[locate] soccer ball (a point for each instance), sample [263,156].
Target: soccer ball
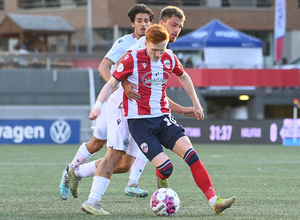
[164,201]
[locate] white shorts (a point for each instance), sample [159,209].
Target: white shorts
[118,135]
[100,130]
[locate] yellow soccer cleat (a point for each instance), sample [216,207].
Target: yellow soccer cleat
[222,204]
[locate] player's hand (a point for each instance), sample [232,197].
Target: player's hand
[94,114]
[188,112]
[129,89]
[199,112]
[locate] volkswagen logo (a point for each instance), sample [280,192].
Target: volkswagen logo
[60,131]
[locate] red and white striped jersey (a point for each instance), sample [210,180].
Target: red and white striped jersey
[151,78]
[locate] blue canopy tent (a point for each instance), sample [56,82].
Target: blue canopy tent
[223,46]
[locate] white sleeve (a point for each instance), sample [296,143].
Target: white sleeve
[117,50]
[139,45]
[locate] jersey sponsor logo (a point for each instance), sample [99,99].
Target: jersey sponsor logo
[144,65]
[60,131]
[144,147]
[167,64]
[155,79]
[120,68]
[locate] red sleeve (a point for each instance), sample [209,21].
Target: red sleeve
[125,68]
[178,68]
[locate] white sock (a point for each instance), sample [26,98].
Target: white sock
[86,170]
[212,201]
[81,156]
[137,168]
[98,189]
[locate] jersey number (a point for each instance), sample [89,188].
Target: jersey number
[170,120]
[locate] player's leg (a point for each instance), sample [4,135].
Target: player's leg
[184,149]
[119,143]
[112,160]
[125,164]
[120,137]
[101,181]
[139,129]
[164,169]
[85,151]
[89,169]
[132,188]
[137,169]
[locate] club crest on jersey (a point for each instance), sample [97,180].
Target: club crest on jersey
[155,79]
[125,142]
[144,147]
[167,64]
[120,67]
[141,45]
[99,131]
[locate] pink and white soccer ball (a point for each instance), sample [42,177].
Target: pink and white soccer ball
[164,201]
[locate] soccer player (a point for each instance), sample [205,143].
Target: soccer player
[149,118]
[172,18]
[141,17]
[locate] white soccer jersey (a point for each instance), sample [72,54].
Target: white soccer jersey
[151,78]
[120,47]
[117,50]
[139,45]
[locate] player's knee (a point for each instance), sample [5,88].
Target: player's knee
[191,156]
[95,145]
[117,156]
[122,168]
[165,170]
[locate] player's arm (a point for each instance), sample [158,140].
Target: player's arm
[121,58]
[188,86]
[104,69]
[105,92]
[185,111]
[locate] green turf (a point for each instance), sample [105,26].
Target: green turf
[265,178]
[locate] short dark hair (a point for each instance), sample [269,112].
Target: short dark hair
[140,8]
[170,11]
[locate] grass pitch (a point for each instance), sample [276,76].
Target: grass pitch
[265,178]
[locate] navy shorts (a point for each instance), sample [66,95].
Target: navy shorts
[151,133]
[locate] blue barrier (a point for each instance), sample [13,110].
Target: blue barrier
[39,131]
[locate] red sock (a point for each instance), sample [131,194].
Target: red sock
[202,179]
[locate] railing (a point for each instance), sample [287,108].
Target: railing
[174,2]
[204,3]
[50,61]
[26,4]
